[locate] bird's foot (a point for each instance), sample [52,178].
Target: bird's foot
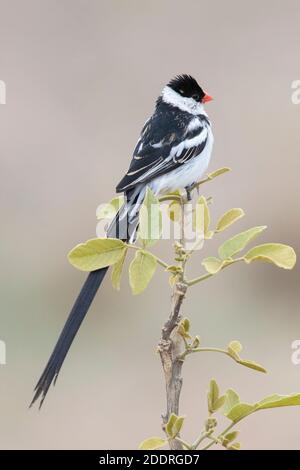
[188,190]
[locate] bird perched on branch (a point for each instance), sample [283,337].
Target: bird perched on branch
[172,153]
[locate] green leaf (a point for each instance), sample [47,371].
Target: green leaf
[186,324]
[212,395]
[174,211]
[178,425]
[141,271]
[218,172]
[219,403]
[183,328]
[117,271]
[240,411]
[196,342]
[96,253]
[232,399]
[108,211]
[277,401]
[201,218]
[170,424]
[212,264]
[252,365]
[213,390]
[174,425]
[234,348]
[229,437]
[282,256]
[229,218]
[150,219]
[152,443]
[173,279]
[235,446]
[238,242]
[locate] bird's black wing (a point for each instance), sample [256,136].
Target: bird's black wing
[165,144]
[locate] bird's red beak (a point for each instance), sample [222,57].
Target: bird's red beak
[206,98]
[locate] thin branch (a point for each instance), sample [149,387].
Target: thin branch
[177,197]
[205,180]
[204,435]
[185,444]
[171,344]
[217,350]
[209,177]
[169,347]
[208,275]
[190,350]
[219,437]
[160,261]
[173,320]
[199,279]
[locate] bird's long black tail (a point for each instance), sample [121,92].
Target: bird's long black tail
[68,333]
[123,226]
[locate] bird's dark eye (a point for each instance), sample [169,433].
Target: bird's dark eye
[196,97]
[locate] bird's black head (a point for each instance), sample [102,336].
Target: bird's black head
[187,87]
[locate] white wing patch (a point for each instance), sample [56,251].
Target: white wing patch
[189,143]
[193,125]
[158,145]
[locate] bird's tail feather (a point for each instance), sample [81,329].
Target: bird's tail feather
[123,227]
[68,333]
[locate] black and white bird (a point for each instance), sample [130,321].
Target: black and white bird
[172,153]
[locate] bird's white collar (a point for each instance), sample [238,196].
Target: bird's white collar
[185,104]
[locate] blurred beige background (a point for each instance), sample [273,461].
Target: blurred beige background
[82,77]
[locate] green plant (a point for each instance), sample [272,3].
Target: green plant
[176,342]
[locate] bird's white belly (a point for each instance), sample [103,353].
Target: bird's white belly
[185,175]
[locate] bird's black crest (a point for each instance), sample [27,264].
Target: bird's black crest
[186,86]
